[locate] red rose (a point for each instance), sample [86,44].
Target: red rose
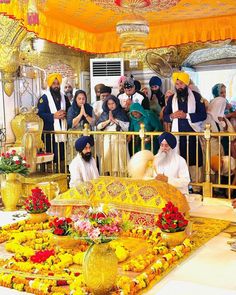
[100,215]
[58,231]
[62,283]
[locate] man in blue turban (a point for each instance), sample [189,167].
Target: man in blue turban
[83,167]
[156,94]
[169,165]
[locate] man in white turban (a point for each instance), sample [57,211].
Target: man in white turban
[67,86]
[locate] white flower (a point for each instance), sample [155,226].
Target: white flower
[16,158]
[23,161]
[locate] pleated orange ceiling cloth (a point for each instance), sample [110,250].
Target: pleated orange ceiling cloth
[89,27]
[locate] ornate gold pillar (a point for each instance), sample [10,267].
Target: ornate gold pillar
[12,33]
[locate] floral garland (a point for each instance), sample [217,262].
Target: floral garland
[38,268]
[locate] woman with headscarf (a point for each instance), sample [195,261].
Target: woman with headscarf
[115,152]
[80,112]
[139,115]
[217,119]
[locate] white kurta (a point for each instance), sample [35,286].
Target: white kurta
[176,170]
[115,154]
[81,171]
[136,98]
[97,108]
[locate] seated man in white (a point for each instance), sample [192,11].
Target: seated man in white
[83,167]
[167,165]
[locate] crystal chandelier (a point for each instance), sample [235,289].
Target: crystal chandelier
[134,29]
[133,32]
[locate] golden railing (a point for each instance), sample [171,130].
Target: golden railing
[105,137]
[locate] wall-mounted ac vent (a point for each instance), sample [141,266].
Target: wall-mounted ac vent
[106,68]
[106,71]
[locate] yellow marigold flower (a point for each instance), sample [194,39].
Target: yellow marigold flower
[78,258]
[168,256]
[187,243]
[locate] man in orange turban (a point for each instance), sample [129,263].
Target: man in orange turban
[52,107]
[185,111]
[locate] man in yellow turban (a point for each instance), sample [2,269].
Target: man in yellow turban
[185,110]
[181,76]
[52,107]
[52,77]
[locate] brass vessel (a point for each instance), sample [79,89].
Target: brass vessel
[100,268]
[38,217]
[174,239]
[11,191]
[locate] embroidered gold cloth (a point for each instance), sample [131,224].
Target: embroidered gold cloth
[141,198]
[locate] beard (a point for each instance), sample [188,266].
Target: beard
[157,92]
[182,93]
[87,157]
[68,94]
[55,92]
[163,157]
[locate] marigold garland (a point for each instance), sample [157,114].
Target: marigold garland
[52,274]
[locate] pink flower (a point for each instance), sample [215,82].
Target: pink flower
[94,233]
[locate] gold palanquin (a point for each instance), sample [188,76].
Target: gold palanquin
[142,200]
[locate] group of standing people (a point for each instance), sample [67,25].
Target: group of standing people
[181,111]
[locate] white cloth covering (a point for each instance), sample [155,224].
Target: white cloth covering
[57,125]
[81,171]
[176,169]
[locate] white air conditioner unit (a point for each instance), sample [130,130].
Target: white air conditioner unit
[106,71]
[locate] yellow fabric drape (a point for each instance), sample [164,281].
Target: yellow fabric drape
[75,35]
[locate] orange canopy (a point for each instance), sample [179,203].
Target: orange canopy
[86,26]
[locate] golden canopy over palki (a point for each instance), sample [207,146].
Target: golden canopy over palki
[90,26]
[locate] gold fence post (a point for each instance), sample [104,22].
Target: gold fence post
[141,135]
[207,185]
[86,130]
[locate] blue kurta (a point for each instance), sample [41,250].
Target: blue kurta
[44,112]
